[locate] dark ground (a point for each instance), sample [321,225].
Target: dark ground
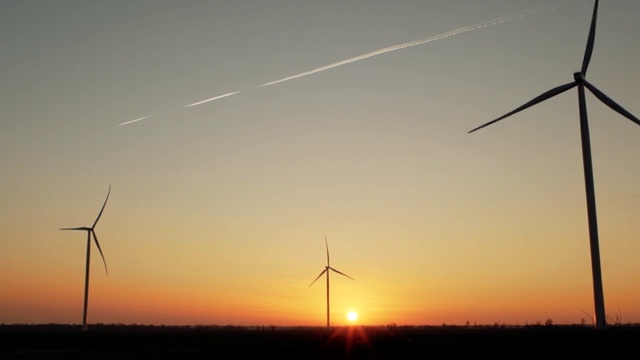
[383,342]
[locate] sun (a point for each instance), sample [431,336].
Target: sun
[352,316]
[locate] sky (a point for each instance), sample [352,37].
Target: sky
[218,212]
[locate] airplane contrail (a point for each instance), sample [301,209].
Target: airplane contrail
[138,119]
[213,98]
[417,42]
[186,106]
[382,51]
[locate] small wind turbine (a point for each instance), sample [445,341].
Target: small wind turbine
[326,270]
[90,231]
[581,83]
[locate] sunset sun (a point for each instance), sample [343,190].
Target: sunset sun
[352,316]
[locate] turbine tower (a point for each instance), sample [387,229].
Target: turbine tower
[581,82]
[326,270]
[90,231]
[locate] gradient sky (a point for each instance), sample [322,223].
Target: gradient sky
[218,211]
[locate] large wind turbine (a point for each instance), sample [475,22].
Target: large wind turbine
[90,231]
[581,82]
[326,270]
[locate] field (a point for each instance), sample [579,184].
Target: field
[354,342]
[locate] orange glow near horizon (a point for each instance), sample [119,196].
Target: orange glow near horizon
[126,304]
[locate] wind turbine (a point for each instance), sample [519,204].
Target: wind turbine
[581,82]
[326,270]
[90,231]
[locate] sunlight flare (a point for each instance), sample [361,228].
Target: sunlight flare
[352,316]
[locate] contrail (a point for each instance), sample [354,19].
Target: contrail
[418,42]
[132,121]
[186,106]
[382,51]
[213,98]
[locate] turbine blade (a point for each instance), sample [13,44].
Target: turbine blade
[341,273]
[77,228]
[549,94]
[590,41]
[95,238]
[326,244]
[609,102]
[101,210]
[323,271]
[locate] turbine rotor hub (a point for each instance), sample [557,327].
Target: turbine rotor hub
[577,76]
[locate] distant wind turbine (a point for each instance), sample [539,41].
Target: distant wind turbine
[581,83]
[326,270]
[90,231]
